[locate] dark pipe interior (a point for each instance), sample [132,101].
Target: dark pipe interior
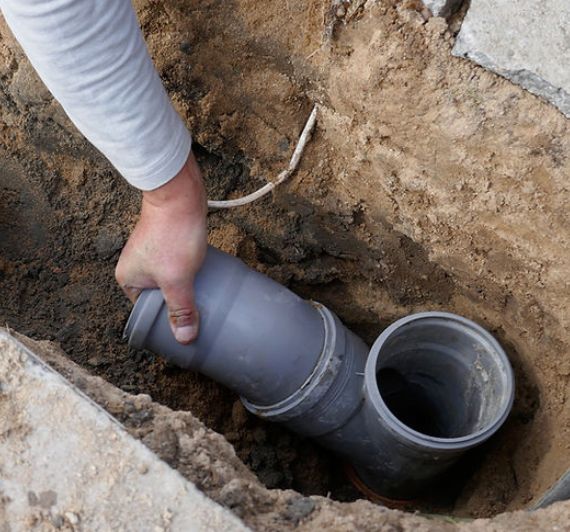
[412,403]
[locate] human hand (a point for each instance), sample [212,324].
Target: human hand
[167,247]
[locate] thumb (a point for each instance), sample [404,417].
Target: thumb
[182,312]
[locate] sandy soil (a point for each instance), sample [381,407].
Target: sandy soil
[430,184]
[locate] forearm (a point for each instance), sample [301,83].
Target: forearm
[92,57]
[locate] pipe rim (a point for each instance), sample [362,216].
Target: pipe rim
[418,438]
[142,317]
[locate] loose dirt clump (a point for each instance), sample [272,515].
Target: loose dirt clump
[430,184]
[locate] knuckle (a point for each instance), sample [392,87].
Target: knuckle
[182,317]
[181,313]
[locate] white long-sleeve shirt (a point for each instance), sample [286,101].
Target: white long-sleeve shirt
[92,57]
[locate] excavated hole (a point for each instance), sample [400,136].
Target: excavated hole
[57,279]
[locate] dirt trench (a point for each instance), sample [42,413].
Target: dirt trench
[430,184]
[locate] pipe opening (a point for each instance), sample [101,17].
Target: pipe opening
[413,402]
[443,377]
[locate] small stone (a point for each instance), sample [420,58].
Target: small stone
[107,244]
[233,495]
[299,508]
[72,519]
[96,361]
[442,8]
[436,25]
[47,499]
[32,498]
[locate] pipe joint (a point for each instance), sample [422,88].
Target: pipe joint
[332,392]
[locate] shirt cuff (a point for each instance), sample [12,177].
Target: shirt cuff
[173,159]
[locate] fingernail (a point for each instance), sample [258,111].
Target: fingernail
[186,333]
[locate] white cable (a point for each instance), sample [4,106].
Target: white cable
[293,164]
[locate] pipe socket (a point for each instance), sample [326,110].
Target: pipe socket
[433,386]
[436,385]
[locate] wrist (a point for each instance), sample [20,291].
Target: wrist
[184,192]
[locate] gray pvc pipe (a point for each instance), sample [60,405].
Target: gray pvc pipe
[433,386]
[256,337]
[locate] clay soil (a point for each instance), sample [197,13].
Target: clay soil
[430,184]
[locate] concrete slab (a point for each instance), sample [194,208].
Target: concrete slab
[67,464]
[527,42]
[442,8]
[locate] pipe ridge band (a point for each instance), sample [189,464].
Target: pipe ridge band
[316,385]
[337,381]
[322,418]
